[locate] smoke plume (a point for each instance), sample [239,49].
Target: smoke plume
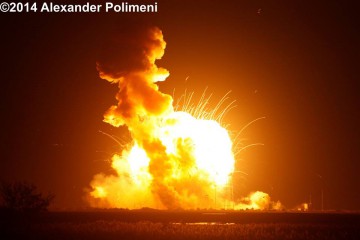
[130,62]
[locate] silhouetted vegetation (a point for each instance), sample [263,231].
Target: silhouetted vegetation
[23,197]
[136,224]
[152,230]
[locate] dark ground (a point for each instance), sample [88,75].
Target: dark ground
[152,224]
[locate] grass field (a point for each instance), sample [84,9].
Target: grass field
[181,225]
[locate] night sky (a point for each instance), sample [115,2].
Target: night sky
[294,62]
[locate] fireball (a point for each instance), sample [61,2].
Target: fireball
[178,158]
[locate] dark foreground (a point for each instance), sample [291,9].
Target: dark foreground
[180,225]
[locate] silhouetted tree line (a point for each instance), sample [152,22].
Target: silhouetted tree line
[23,197]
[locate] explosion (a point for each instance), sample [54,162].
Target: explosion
[176,159]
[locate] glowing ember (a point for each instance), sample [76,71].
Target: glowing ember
[175,160]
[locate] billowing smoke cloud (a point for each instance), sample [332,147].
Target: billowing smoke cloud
[132,50]
[129,61]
